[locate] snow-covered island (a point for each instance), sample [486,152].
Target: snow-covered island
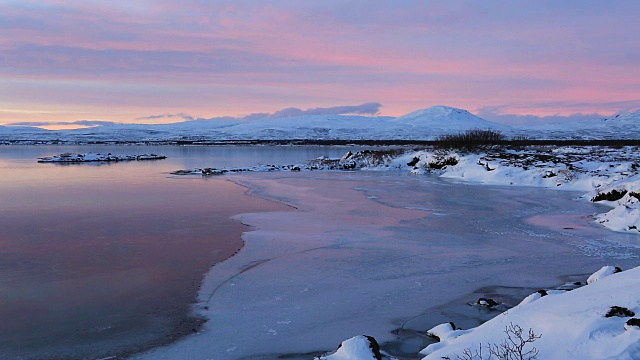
[595,321]
[97,157]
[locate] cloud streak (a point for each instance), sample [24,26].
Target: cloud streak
[372,108]
[83,123]
[363,109]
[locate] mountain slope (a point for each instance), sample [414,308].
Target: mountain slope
[448,117]
[623,126]
[425,124]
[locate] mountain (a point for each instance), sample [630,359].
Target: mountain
[622,126]
[446,116]
[425,124]
[439,120]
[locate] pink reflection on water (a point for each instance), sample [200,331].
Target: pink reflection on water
[107,257]
[559,222]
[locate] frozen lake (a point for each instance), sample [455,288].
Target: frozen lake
[95,257]
[388,255]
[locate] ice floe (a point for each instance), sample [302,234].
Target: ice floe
[97,157]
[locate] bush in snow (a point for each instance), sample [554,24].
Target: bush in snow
[471,139]
[514,347]
[441,164]
[365,158]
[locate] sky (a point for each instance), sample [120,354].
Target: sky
[159,61]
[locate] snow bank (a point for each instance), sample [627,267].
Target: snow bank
[566,168]
[565,325]
[360,347]
[602,273]
[625,215]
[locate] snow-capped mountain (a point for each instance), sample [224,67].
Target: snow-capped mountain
[623,126]
[447,117]
[425,124]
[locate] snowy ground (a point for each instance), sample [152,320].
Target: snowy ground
[593,322]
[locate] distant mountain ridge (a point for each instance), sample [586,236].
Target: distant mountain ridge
[622,126]
[424,124]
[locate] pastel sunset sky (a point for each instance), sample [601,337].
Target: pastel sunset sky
[156,61]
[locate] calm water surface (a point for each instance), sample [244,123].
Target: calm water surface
[104,259]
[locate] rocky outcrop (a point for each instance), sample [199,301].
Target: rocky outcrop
[619,311]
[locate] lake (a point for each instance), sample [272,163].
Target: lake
[99,259]
[103,260]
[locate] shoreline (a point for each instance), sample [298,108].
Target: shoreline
[200,303]
[194,320]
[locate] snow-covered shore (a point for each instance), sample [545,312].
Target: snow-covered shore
[610,176]
[597,321]
[592,322]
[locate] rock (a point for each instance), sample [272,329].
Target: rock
[542,292]
[619,311]
[212,171]
[487,302]
[346,156]
[348,165]
[413,162]
[633,323]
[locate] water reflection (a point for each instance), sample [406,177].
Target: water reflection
[100,260]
